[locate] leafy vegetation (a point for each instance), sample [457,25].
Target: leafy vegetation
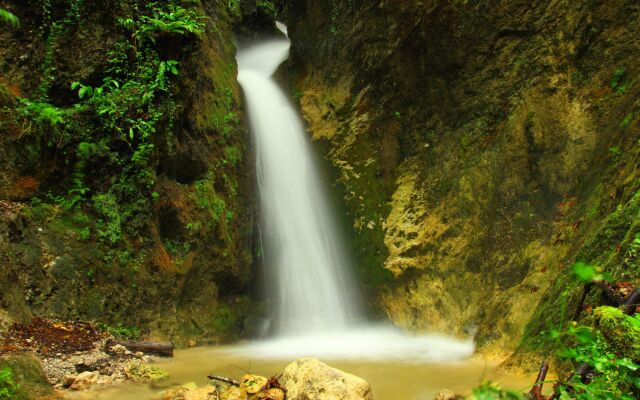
[8,387]
[615,375]
[121,332]
[617,81]
[117,125]
[491,391]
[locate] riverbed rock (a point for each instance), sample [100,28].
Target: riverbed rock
[234,393]
[140,371]
[271,394]
[447,395]
[308,378]
[85,380]
[190,392]
[621,331]
[28,376]
[253,384]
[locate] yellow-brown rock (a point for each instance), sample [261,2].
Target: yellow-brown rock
[234,393]
[308,378]
[253,384]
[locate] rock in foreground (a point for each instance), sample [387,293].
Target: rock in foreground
[310,379]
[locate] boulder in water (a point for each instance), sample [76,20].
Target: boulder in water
[140,371]
[308,378]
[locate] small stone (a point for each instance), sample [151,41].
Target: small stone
[272,394]
[140,371]
[84,380]
[234,393]
[446,395]
[138,354]
[118,349]
[68,380]
[127,353]
[253,384]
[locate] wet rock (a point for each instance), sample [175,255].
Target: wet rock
[140,371]
[234,393]
[118,349]
[190,392]
[28,375]
[85,380]
[271,394]
[620,330]
[253,384]
[68,380]
[308,378]
[447,395]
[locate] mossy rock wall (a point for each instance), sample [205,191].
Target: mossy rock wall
[169,262]
[480,147]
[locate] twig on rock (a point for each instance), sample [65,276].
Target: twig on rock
[224,379]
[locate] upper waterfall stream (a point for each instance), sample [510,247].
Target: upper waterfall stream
[316,309]
[302,248]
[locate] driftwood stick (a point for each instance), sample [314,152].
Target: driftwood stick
[631,302]
[224,379]
[164,349]
[536,390]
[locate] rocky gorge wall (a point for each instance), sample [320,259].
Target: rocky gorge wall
[481,147]
[150,228]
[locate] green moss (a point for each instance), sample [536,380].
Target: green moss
[620,330]
[140,371]
[208,200]
[224,320]
[24,378]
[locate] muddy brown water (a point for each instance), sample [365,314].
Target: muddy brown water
[390,380]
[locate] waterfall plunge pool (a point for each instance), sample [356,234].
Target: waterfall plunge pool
[394,378]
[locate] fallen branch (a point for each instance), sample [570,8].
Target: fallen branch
[164,349]
[224,379]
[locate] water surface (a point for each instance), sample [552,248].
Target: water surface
[390,379]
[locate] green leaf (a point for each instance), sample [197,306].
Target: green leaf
[9,18]
[626,363]
[587,273]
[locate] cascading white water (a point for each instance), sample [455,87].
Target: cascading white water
[316,310]
[302,244]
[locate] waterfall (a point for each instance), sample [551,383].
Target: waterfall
[314,291]
[315,312]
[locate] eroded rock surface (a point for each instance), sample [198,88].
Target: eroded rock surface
[310,379]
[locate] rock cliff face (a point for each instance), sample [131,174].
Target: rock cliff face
[81,238]
[481,147]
